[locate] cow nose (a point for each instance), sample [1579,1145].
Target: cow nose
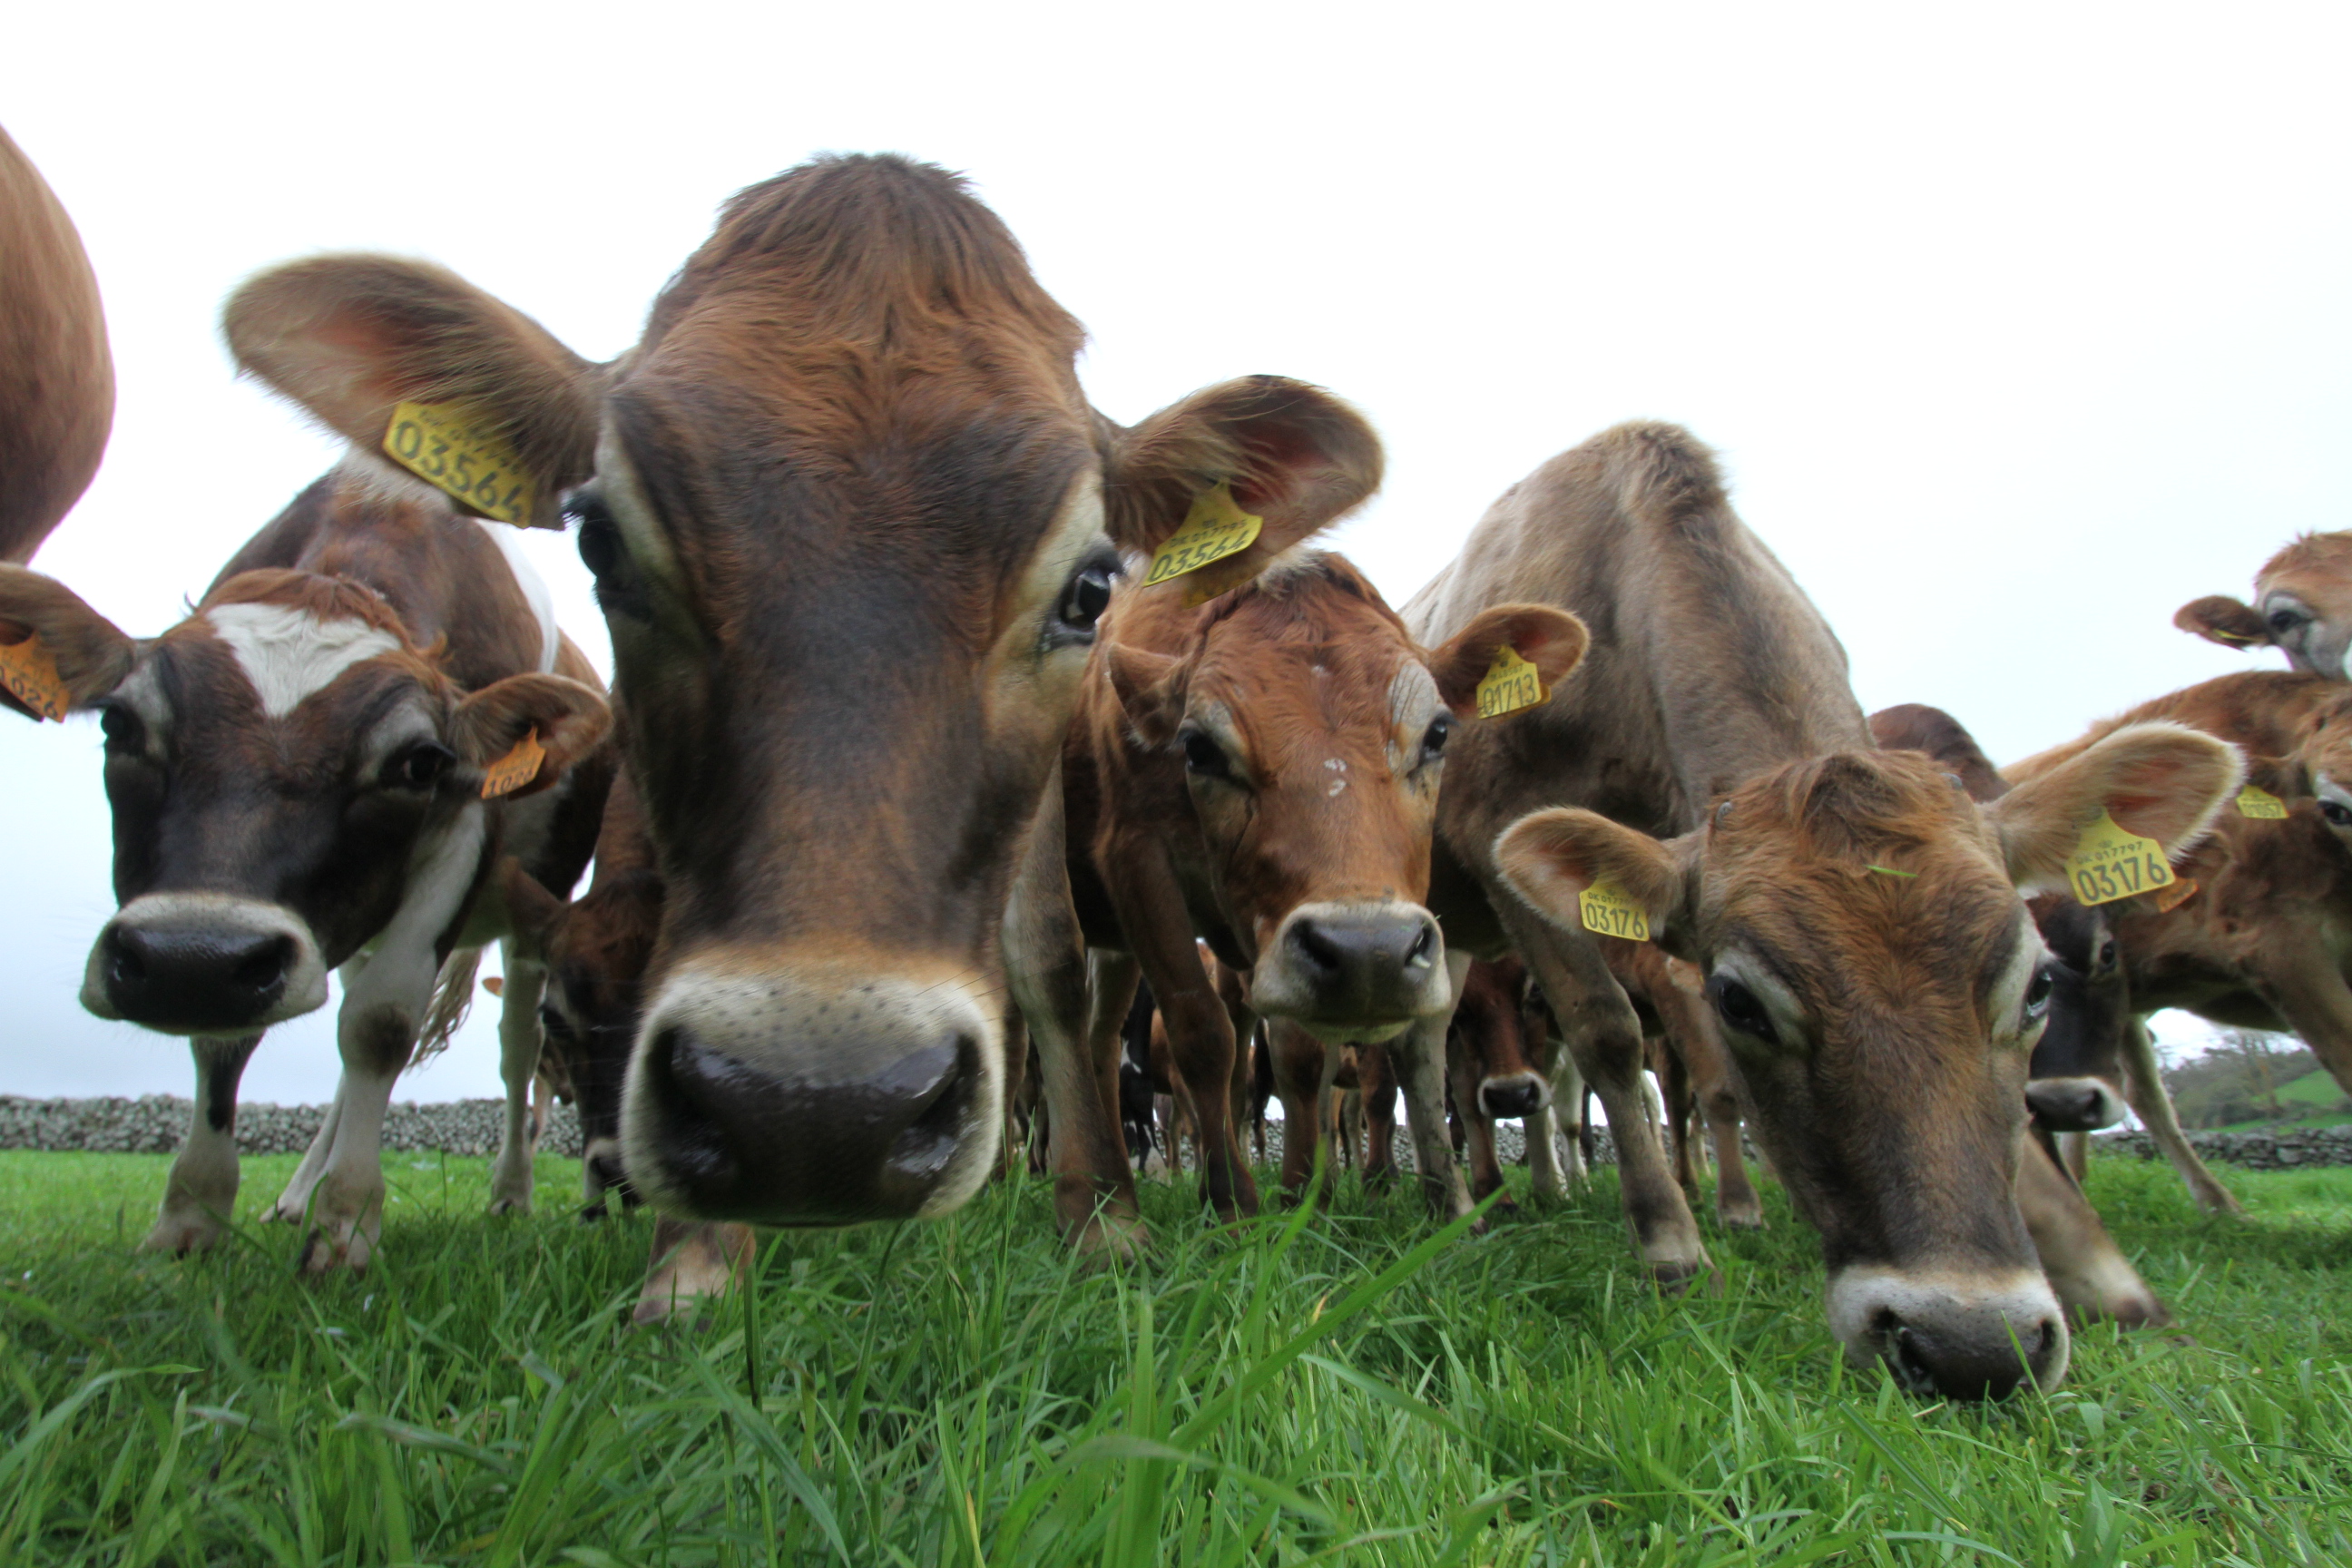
[1952,1336]
[1512,1094]
[1344,949]
[1356,971]
[194,977]
[2074,1104]
[1931,1362]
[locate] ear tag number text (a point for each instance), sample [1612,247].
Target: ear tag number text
[1509,684]
[516,769]
[1215,529]
[445,445]
[2109,863]
[2260,803]
[31,676]
[1609,913]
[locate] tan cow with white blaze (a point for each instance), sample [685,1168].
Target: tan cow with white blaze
[1858,918]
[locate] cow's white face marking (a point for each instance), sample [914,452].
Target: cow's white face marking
[1339,766]
[289,654]
[508,538]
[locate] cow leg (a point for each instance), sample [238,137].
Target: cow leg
[1692,1038]
[1418,1057]
[293,1204]
[200,1195]
[692,1261]
[1376,1098]
[1303,1066]
[2074,1155]
[1554,1134]
[2144,1088]
[1200,1035]
[520,1040]
[1601,1033]
[2086,1269]
[1675,1081]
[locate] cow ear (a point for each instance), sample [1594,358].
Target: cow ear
[1552,640]
[1550,858]
[533,911]
[570,720]
[1151,692]
[2219,618]
[1291,454]
[349,338]
[2165,781]
[89,653]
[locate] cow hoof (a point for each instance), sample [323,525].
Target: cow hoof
[1741,1219]
[1674,1276]
[324,1252]
[593,1213]
[181,1237]
[510,1205]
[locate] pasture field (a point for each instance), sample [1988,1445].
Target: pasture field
[1347,1385]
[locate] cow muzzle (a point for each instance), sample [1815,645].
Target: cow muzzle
[828,1098]
[2075,1104]
[1951,1336]
[203,964]
[1356,971]
[1510,1094]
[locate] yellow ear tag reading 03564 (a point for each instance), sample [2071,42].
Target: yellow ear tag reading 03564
[1509,684]
[32,679]
[2262,804]
[2109,863]
[448,447]
[1215,529]
[1609,913]
[516,769]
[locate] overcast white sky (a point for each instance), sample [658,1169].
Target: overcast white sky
[2016,326]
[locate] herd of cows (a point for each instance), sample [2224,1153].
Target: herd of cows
[946,711]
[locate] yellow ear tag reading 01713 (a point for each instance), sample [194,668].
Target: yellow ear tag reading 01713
[1215,529]
[1609,913]
[445,445]
[516,769]
[32,679]
[2262,804]
[2109,863]
[1509,684]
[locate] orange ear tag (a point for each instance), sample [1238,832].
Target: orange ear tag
[2109,863]
[448,447]
[31,676]
[2174,895]
[1510,684]
[516,769]
[1607,910]
[2260,803]
[1215,529]
[495,984]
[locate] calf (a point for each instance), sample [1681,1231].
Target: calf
[2303,606]
[1260,771]
[57,378]
[1710,781]
[1490,1067]
[298,773]
[853,524]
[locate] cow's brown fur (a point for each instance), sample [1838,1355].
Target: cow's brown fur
[2303,606]
[56,377]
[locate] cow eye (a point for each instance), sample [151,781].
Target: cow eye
[2037,993]
[606,555]
[1739,1009]
[2107,953]
[1432,744]
[123,728]
[1203,756]
[2285,621]
[1084,599]
[419,767]
[2338,815]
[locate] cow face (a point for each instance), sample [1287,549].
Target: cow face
[2303,606]
[1312,735]
[2326,755]
[283,765]
[2077,1067]
[852,525]
[1880,988]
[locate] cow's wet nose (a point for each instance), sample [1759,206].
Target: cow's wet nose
[195,976]
[1341,964]
[2074,1104]
[1930,1362]
[1512,1094]
[1951,1339]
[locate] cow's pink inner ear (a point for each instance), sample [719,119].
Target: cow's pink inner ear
[1551,857]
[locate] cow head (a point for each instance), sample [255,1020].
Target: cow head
[853,524]
[2325,755]
[282,765]
[1311,732]
[2303,606]
[1880,988]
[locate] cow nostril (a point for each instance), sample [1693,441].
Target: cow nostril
[945,1075]
[265,966]
[1316,947]
[126,965]
[1422,944]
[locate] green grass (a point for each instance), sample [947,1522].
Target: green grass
[1349,1387]
[2315,1100]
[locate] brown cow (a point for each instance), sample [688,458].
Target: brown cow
[1260,771]
[1491,1067]
[1859,921]
[297,775]
[853,523]
[2303,606]
[57,378]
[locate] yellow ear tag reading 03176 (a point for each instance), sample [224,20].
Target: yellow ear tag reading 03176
[2109,863]
[1215,529]
[1509,684]
[448,447]
[32,679]
[2262,804]
[516,769]
[1609,913]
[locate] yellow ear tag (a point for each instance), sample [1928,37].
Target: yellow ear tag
[1215,529]
[31,676]
[516,769]
[445,444]
[2109,864]
[1612,913]
[1510,684]
[2262,804]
